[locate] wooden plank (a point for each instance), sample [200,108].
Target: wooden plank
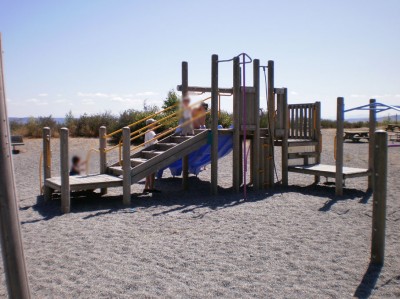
[329,171]
[256,117]
[126,165]
[271,115]
[103,154]
[372,128]
[206,89]
[86,182]
[379,200]
[64,159]
[236,158]
[47,161]
[16,278]
[285,144]
[339,146]
[214,124]
[317,135]
[185,159]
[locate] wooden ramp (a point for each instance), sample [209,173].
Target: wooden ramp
[329,171]
[86,182]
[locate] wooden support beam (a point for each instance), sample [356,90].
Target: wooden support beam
[64,168]
[372,127]
[285,137]
[214,124]
[236,158]
[126,165]
[11,240]
[379,200]
[46,135]
[318,137]
[185,159]
[271,115]
[339,146]
[256,117]
[103,154]
[204,89]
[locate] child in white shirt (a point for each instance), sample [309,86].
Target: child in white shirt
[150,134]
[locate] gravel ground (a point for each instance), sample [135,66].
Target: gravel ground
[301,241]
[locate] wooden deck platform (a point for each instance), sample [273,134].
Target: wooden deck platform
[329,171]
[86,182]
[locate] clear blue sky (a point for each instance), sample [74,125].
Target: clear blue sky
[93,56]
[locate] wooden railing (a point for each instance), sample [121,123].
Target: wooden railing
[303,120]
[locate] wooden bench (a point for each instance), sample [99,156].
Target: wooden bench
[16,140]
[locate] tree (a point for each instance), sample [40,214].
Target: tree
[171,99]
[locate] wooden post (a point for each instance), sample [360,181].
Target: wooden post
[64,159]
[339,146]
[126,165]
[256,137]
[379,201]
[285,143]
[185,159]
[103,154]
[372,126]
[214,124]
[318,137]
[47,161]
[271,115]
[10,229]
[236,158]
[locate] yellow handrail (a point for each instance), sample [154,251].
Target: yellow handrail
[143,119]
[161,135]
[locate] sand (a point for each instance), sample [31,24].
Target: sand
[299,242]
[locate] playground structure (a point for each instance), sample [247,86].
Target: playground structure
[305,121]
[294,127]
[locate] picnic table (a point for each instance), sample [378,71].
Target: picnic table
[16,140]
[356,136]
[393,127]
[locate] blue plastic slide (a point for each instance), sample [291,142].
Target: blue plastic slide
[201,157]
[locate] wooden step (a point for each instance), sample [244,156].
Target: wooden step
[115,170]
[165,146]
[151,154]
[137,161]
[180,139]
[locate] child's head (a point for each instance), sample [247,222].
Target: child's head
[150,122]
[204,107]
[186,101]
[75,160]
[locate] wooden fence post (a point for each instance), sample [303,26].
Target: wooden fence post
[285,143]
[372,127]
[103,154]
[126,165]
[64,168]
[318,137]
[339,146]
[46,161]
[256,137]
[236,158]
[185,159]
[271,116]
[214,124]
[10,228]
[379,201]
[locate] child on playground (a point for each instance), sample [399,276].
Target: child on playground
[77,166]
[187,129]
[150,134]
[199,116]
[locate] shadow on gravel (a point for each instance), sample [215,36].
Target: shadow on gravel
[173,199]
[368,282]
[328,191]
[81,202]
